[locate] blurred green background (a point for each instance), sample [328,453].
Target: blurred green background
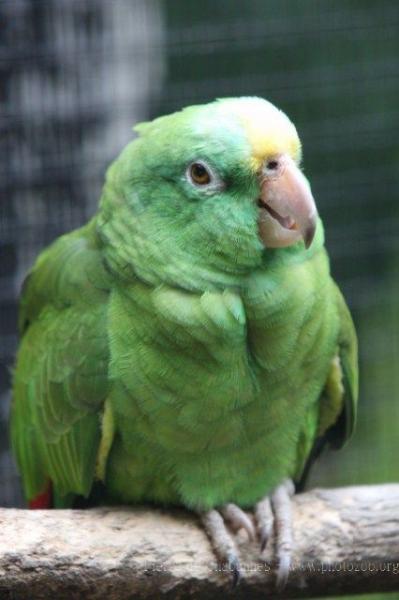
[75,75]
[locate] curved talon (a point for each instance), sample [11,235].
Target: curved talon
[281,504]
[264,521]
[222,542]
[238,519]
[283,571]
[235,569]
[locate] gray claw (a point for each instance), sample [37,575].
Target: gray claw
[281,504]
[222,542]
[264,520]
[238,519]
[283,572]
[236,570]
[277,510]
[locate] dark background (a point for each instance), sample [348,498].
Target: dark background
[75,75]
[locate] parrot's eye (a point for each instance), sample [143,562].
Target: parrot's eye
[199,174]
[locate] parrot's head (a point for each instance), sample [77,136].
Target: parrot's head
[213,186]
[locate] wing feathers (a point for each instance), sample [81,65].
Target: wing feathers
[61,376]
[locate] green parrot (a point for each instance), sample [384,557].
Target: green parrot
[188,346]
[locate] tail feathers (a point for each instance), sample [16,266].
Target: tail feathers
[43,500]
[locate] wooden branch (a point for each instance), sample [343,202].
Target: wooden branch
[346,541]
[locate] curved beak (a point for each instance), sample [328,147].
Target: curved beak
[287,208]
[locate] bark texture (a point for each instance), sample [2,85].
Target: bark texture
[346,541]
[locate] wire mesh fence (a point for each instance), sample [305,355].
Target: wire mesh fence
[75,76]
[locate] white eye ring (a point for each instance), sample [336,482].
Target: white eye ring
[209,186]
[273,166]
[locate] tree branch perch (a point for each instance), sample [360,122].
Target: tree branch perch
[346,541]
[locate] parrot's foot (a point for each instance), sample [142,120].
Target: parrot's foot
[272,511]
[220,537]
[277,509]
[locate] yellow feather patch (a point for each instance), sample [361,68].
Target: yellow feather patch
[333,398]
[107,437]
[269,131]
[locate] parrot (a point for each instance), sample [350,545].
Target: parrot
[188,346]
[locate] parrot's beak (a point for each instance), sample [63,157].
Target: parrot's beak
[287,211]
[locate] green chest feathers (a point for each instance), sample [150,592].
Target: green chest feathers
[221,369]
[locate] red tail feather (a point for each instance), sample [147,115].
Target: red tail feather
[43,500]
